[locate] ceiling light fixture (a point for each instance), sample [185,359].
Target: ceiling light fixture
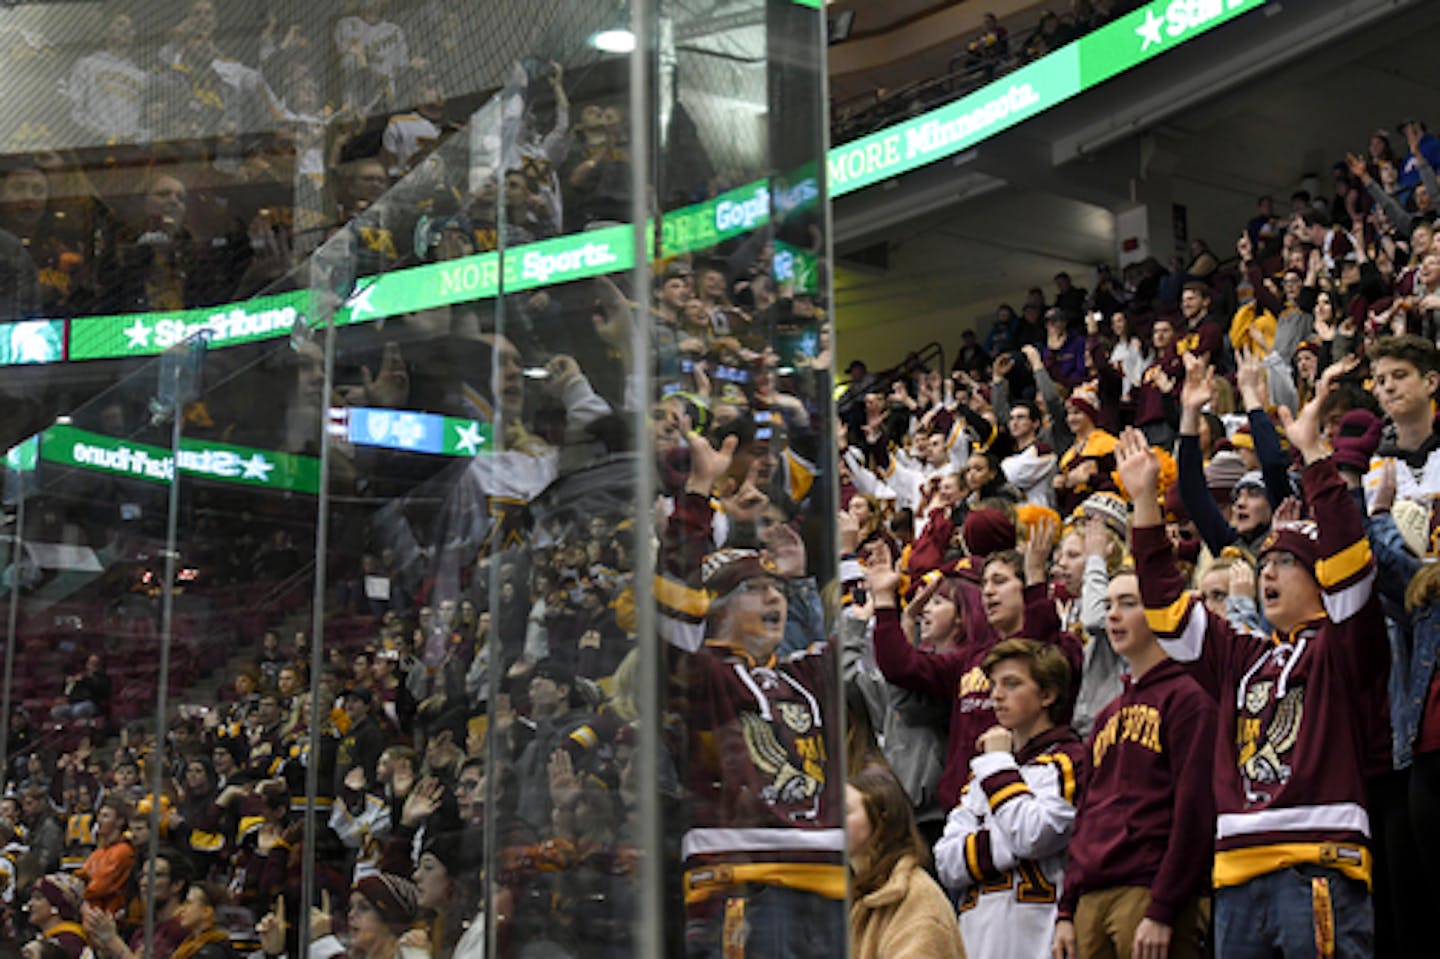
[613,41]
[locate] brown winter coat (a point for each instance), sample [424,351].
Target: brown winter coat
[907,918]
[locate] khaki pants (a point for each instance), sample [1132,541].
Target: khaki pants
[1105,923]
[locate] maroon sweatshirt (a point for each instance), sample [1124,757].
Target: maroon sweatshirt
[1149,399]
[956,677]
[1147,814]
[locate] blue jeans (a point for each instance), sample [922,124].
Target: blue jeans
[775,922]
[1286,913]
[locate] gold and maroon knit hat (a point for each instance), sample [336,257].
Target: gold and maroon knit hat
[1087,401]
[393,897]
[64,893]
[725,569]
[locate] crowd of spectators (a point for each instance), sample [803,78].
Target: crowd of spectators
[1105,585]
[201,163]
[1165,548]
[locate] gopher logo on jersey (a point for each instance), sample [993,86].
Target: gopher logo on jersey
[797,717]
[788,784]
[1263,758]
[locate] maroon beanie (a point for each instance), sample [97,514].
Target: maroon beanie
[1300,538]
[725,569]
[394,897]
[987,531]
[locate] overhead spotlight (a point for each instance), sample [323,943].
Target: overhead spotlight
[613,41]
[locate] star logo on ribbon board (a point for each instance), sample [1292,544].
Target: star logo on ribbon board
[257,467]
[1149,31]
[359,301]
[138,335]
[468,438]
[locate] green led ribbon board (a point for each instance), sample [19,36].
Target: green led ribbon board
[1119,46]
[1115,48]
[268,469]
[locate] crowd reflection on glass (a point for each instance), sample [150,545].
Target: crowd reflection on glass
[481,652]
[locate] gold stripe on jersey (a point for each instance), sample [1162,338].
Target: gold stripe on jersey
[202,841]
[989,441]
[825,879]
[1336,569]
[972,857]
[1067,773]
[1235,867]
[1167,620]
[675,595]
[1006,793]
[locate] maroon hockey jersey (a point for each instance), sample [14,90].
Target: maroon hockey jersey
[1299,712]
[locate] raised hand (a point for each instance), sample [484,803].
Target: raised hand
[1289,511]
[564,784]
[1333,372]
[916,606]
[321,918]
[786,548]
[1138,466]
[1242,580]
[708,464]
[1199,388]
[1412,137]
[422,802]
[1303,431]
[1038,546]
[271,929]
[1250,378]
[1356,163]
[615,318]
[882,576]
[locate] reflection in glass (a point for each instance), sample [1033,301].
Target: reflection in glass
[425,547]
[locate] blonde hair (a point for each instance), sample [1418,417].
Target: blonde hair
[1424,587]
